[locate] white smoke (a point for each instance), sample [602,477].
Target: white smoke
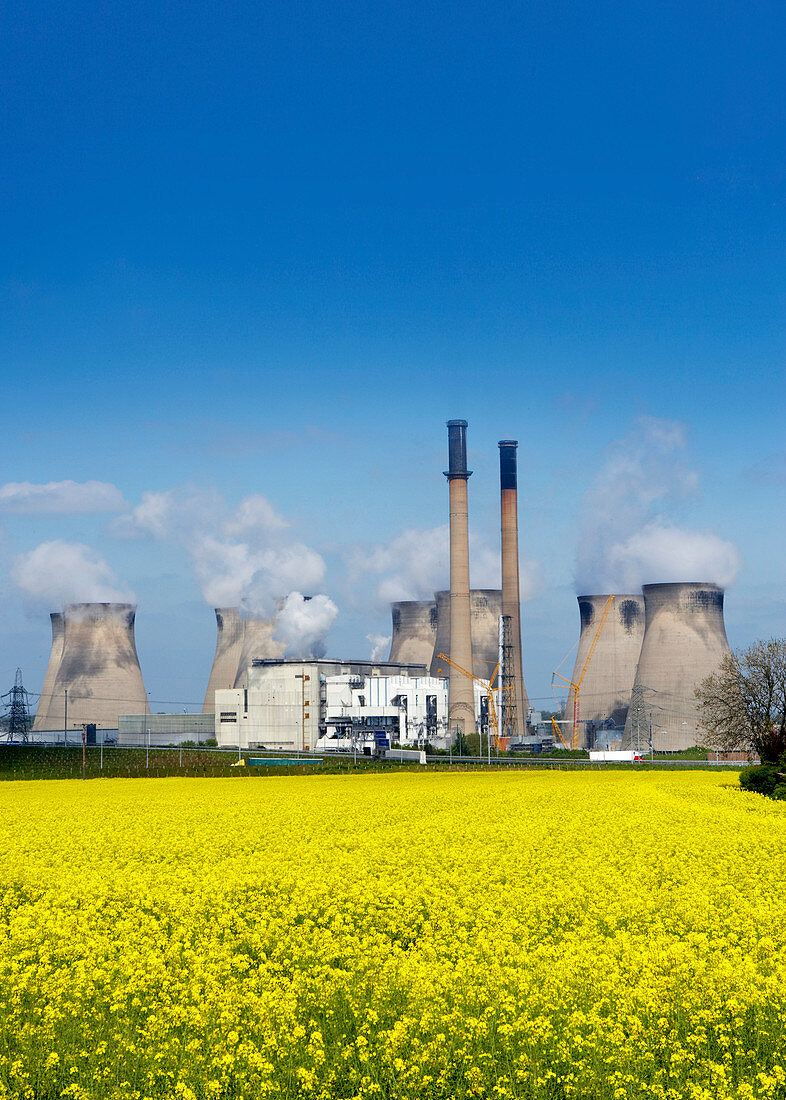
[410,567]
[302,624]
[60,572]
[661,553]
[244,558]
[416,564]
[380,645]
[241,557]
[625,538]
[60,497]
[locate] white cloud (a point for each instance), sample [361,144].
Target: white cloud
[59,572]
[255,513]
[242,557]
[625,537]
[660,553]
[60,497]
[380,646]
[416,564]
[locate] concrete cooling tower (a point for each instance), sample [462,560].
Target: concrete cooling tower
[684,641]
[258,642]
[414,632]
[485,607]
[229,646]
[604,693]
[98,666]
[55,655]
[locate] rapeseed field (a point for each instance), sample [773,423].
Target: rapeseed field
[545,935]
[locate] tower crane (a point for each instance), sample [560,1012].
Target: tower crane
[577,686]
[493,721]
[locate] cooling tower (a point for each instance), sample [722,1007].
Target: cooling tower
[414,632]
[258,642]
[461,694]
[516,704]
[684,641]
[229,646]
[604,694]
[485,606]
[99,667]
[46,698]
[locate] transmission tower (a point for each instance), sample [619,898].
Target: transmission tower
[17,711]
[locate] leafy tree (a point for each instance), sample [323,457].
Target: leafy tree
[743,704]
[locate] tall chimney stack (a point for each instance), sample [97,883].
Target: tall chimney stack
[461,695]
[511,597]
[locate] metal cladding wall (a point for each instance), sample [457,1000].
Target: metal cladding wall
[684,641]
[606,687]
[229,646]
[485,609]
[55,656]
[99,667]
[258,644]
[414,631]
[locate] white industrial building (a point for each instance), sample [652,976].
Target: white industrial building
[410,710]
[285,705]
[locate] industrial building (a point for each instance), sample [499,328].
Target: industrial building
[684,641]
[639,661]
[284,705]
[165,729]
[409,710]
[93,673]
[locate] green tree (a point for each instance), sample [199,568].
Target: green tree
[743,704]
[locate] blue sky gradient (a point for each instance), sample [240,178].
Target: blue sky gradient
[270,249]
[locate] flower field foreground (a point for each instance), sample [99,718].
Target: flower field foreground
[550,934]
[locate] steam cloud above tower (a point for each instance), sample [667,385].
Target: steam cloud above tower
[626,537]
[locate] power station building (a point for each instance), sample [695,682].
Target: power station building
[284,705]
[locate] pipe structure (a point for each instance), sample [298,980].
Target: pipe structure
[229,645]
[604,692]
[461,695]
[684,641]
[46,698]
[511,591]
[414,632]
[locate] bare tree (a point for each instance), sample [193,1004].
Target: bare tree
[743,704]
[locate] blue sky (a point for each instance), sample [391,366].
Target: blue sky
[269,250]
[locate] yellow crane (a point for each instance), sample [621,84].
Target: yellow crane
[558,731]
[493,722]
[577,686]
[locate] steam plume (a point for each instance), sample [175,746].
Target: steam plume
[302,624]
[60,572]
[625,540]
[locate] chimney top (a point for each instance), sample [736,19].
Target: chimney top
[457,450]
